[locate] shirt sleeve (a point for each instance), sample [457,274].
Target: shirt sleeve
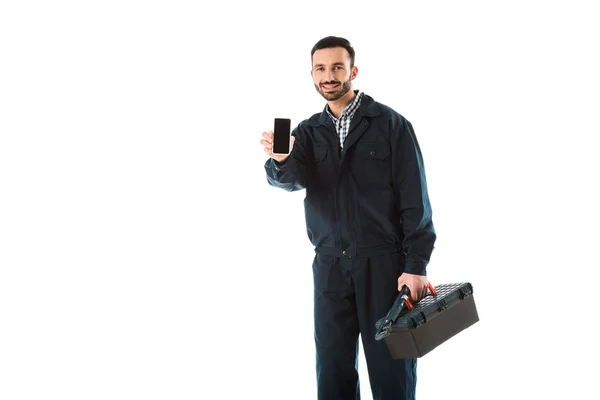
[412,199]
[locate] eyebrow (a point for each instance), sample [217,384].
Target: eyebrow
[334,64]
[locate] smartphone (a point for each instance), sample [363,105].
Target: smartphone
[281,136]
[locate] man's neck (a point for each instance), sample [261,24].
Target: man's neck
[336,107]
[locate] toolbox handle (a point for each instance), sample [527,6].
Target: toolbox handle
[409,305]
[407,302]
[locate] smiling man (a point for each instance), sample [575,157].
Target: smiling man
[368,216]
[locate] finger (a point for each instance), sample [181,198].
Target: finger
[268,137]
[425,288]
[414,296]
[423,293]
[400,284]
[411,293]
[265,143]
[415,293]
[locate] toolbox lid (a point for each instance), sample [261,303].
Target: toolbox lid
[431,306]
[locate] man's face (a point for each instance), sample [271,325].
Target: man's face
[331,72]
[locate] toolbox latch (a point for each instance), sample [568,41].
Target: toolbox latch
[418,319]
[464,292]
[442,305]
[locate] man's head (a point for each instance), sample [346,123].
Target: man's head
[333,67]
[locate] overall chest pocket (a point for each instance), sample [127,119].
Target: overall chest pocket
[372,164]
[319,154]
[373,150]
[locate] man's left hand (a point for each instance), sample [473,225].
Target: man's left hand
[417,285]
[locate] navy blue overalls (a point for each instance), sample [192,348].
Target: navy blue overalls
[369,217]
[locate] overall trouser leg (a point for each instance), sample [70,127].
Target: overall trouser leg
[376,287]
[336,329]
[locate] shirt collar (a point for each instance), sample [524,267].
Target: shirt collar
[351,108]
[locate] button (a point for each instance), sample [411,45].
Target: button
[344,252]
[372,153]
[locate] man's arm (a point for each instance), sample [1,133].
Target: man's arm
[288,172]
[412,200]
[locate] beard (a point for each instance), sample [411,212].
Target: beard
[336,94]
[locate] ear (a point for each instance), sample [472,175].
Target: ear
[354,72]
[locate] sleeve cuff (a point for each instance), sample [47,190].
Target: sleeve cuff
[277,166]
[415,267]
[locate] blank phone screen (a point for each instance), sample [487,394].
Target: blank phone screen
[281,136]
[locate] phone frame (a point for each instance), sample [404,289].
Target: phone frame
[289,134]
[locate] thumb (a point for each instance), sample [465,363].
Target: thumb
[401,283]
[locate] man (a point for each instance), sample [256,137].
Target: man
[368,216]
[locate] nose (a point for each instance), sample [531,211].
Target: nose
[330,75]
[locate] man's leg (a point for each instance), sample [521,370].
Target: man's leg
[376,288]
[336,329]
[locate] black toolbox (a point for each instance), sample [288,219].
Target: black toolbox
[433,320]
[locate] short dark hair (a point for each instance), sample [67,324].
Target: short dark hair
[331,42]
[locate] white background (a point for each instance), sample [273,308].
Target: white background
[139,253]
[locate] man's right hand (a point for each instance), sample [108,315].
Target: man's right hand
[267,142]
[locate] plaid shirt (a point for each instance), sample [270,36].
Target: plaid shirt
[342,125]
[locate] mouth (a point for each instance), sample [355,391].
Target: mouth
[330,86]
